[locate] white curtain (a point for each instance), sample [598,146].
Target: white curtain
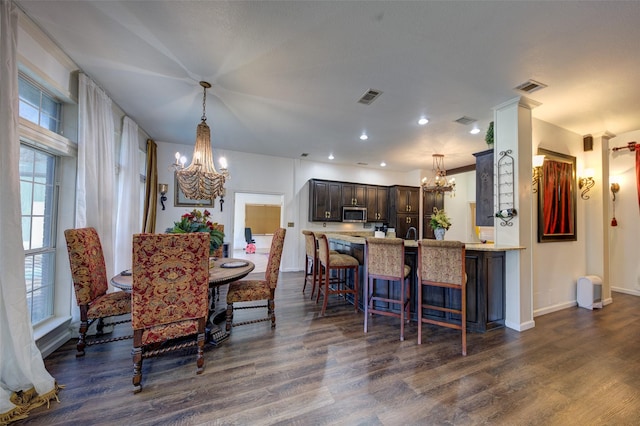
[21,364]
[129,217]
[95,200]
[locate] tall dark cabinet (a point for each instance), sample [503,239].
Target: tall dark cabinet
[484,188]
[404,208]
[377,203]
[430,200]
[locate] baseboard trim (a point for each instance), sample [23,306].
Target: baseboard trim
[554,308]
[520,327]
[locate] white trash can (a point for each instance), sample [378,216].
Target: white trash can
[589,294]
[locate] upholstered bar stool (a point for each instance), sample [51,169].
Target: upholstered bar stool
[342,264]
[311,260]
[385,261]
[442,264]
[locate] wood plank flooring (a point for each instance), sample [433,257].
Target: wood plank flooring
[575,367]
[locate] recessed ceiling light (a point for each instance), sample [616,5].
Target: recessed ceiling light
[364,137]
[474,131]
[383,164]
[331,157]
[423,121]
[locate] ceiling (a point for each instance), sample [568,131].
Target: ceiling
[287,75]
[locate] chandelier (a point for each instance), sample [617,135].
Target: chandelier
[200,180]
[439,182]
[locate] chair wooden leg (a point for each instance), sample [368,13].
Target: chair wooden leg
[402,304]
[200,356]
[326,292]
[419,313]
[271,312]
[82,336]
[367,301]
[229,322]
[355,287]
[137,369]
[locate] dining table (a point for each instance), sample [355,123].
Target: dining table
[221,271]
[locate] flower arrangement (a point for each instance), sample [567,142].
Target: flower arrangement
[439,219]
[198,221]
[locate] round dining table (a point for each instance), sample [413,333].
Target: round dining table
[221,271]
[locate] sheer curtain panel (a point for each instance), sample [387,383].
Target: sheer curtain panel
[24,381]
[128,221]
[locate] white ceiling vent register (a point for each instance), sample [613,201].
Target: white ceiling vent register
[530,86]
[465,120]
[369,96]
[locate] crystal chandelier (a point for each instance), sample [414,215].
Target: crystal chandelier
[200,180]
[439,182]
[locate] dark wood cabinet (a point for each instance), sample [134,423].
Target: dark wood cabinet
[325,201]
[404,209]
[484,188]
[354,194]
[377,198]
[430,200]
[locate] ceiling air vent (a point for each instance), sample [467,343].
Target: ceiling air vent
[360,163]
[530,86]
[304,154]
[465,120]
[369,96]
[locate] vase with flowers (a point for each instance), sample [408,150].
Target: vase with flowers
[439,222]
[198,221]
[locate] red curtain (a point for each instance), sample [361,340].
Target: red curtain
[557,197]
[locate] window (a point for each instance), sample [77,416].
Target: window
[38,106]
[38,206]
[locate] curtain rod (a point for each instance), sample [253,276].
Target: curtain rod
[631,146]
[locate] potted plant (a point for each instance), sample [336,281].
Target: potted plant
[439,222]
[198,221]
[488,137]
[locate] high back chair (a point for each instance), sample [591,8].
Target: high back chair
[340,265]
[442,264]
[170,295]
[385,261]
[257,290]
[90,284]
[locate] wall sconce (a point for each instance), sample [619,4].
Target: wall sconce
[163,188]
[222,194]
[586,183]
[615,188]
[538,160]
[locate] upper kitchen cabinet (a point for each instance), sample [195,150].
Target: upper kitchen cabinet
[354,195]
[325,201]
[484,188]
[377,203]
[404,199]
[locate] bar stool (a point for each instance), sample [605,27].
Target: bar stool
[385,261]
[342,264]
[311,260]
[442,264]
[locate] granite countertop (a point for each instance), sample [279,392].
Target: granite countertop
[357,239]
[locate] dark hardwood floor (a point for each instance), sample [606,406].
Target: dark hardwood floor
[576,367]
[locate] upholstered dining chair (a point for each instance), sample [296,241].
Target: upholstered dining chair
[385,261]
[90,284]
[442,264]
[170,296]
[311,260]
[341,265]
[258,290]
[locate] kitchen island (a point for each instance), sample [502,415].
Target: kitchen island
[485,266]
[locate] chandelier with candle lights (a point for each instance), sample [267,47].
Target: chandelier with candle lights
[200,180]
[439,182]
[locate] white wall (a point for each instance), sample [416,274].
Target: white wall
[623,257]
[558,265]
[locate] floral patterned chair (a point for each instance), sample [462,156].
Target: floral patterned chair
[90,284]
[311,263]
[385,261]
[170,295]
[256,290]
[442,264]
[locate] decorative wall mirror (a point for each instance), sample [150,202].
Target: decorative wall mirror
[557,197]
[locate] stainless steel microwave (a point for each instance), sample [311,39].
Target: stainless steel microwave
[354,214]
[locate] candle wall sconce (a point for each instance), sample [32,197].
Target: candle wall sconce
[222,194]
[163,188]
[538,161]
[586,183]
